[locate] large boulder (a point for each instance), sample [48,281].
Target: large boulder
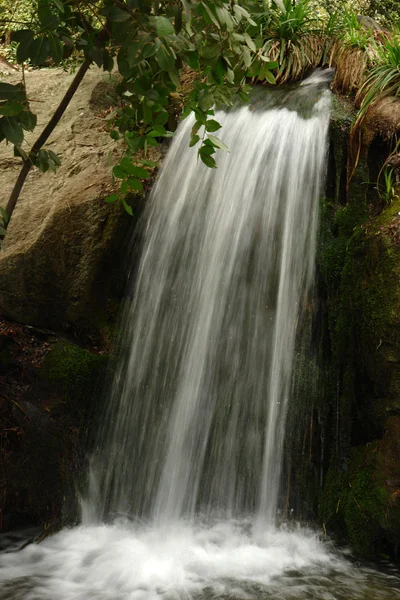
[61,256]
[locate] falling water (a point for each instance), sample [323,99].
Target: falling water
[196,418]
[184,485]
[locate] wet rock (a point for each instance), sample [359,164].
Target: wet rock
[5,354]
[46,405]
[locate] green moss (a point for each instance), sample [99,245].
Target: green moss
[370,282]
[74,372]
[342,111]
[359,262]
[354,503]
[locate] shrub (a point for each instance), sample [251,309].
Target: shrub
[384,77]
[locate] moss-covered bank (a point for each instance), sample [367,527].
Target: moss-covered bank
[49,390]
[359,267]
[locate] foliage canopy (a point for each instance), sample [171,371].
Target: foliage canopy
[225,44]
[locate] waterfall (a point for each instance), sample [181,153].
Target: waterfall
[195,420]
[184,485]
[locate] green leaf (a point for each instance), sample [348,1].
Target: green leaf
[269,64]
[28,120]
[47,19]
[22,35]
[217,143]
[140,173]
[127,208]
[11,109]
[208,161]
[249,42]
[194,140]
[116,14]
[247,57]
[149,50]
[12,130]
[165,59]
[96,55]
[43,161]
[230,75]
[111,198]
[135,184]
[39,50]
[147,163]
[162,118]
[210,51]
[12,92]
[164,26]
[118,172]
[4,215]
[20,153]
[219,71]
[174,77]
[207,102]
[157,132]
[270,78]
[56,48]
[212,125]
[135,143]
[123,188]
[132,54]
[153,95]
[211,15]
[54,157]
[178,20]
[59,5]
[192,59]
[207,149]
[224,17]
[24,38]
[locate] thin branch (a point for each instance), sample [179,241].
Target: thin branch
[47,131]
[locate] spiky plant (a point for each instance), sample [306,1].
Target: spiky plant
[290,38]
[384,77]
[351,53]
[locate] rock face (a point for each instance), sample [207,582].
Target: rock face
[61,255]
[359,263]
[49,389]
[344,462]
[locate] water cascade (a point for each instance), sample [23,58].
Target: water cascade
[185,481]
[196,419]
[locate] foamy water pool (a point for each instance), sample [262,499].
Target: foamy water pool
[226,560]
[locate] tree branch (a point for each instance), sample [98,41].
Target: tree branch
[47,131]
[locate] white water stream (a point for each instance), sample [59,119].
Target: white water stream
[187,470]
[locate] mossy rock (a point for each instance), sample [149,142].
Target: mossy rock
[75,373]
[354,504]
[359,264]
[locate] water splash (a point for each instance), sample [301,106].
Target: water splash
[201,560]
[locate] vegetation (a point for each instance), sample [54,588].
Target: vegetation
[357,500]
[74,372]
[292,40]
[225,44]
[152,43]
[383,78]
